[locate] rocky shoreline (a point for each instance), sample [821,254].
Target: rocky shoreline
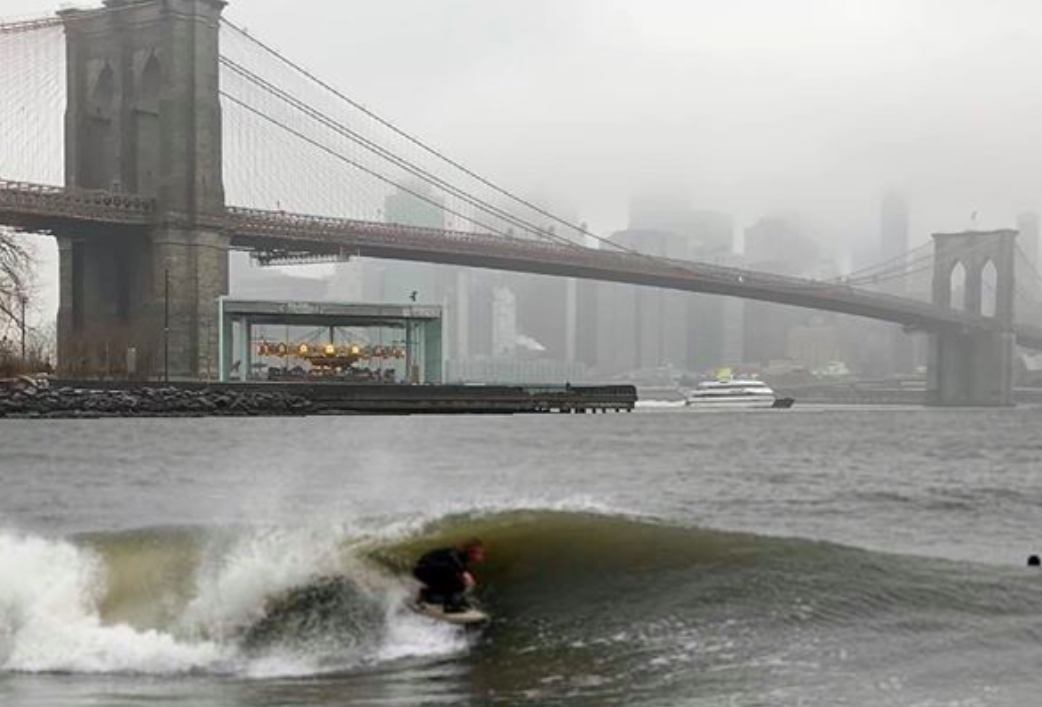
[26,400]
[30,397]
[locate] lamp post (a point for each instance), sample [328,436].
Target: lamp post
[166,325]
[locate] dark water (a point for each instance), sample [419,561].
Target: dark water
[811,557]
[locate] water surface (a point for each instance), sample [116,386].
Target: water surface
[815,557]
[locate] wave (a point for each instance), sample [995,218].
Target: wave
[278,601]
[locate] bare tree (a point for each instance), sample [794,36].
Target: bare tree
[15,272]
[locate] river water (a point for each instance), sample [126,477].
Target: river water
[808,557]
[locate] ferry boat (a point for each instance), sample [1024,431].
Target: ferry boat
[733,393]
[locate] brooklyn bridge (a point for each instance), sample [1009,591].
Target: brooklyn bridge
[177,129]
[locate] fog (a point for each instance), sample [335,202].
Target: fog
[749,106]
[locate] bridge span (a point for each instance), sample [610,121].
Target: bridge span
[142,265]
[59,210]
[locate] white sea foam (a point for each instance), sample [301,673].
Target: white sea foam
[49,620]
[410,635]
[50,591]
[234,581]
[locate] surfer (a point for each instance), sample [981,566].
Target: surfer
[446,577]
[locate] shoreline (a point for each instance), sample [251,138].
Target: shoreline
[26,398]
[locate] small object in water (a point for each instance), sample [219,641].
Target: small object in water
[1034,561]
[783,403]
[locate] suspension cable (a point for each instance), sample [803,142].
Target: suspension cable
[419,143]
[386,154]
[354,163]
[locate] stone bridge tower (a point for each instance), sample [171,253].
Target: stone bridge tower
[974,367]
[144,117]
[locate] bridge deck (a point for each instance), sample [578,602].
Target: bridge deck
[53,209]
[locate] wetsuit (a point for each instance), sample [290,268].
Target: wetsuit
[441,572]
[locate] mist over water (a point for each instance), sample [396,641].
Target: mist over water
[857,557]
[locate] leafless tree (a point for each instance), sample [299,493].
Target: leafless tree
[15,270]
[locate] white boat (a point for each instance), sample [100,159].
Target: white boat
[732,393]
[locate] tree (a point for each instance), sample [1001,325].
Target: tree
[15,274]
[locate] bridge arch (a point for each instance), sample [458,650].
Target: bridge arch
[989,277]
[957,286]
[97,167]
[103,92]
[149,84]
[147,127]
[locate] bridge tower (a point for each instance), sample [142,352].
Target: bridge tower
[144,117]
[974,367]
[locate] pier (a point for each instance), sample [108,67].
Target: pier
[89,399]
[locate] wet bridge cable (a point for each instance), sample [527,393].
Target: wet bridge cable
[381,152]
[287,66]
[32,83]
[275,94]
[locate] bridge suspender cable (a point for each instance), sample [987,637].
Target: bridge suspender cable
[386,154]
[884,266]
[910,269]
[354,163]
[422,145]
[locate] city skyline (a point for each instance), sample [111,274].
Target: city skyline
[871,97]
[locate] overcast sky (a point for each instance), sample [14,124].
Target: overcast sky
[751,106]
[748,105]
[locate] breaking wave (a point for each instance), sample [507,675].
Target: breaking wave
[599,592]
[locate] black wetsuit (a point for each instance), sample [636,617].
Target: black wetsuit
[441,572]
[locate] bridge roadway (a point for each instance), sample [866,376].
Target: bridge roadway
[55,209]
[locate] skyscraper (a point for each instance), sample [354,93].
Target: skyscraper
[691,331]
[404,282]
[893,231]
[775,245]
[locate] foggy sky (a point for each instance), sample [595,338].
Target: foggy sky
[751,106]
[748,105]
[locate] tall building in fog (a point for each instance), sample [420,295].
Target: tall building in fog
[504,322]
[893,225]
[547,307]
[708,234]
[642,328]
[401,282]
[775,245]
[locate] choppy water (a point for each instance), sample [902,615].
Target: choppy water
[808,557]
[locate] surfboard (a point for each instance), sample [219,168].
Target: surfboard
[470,617]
